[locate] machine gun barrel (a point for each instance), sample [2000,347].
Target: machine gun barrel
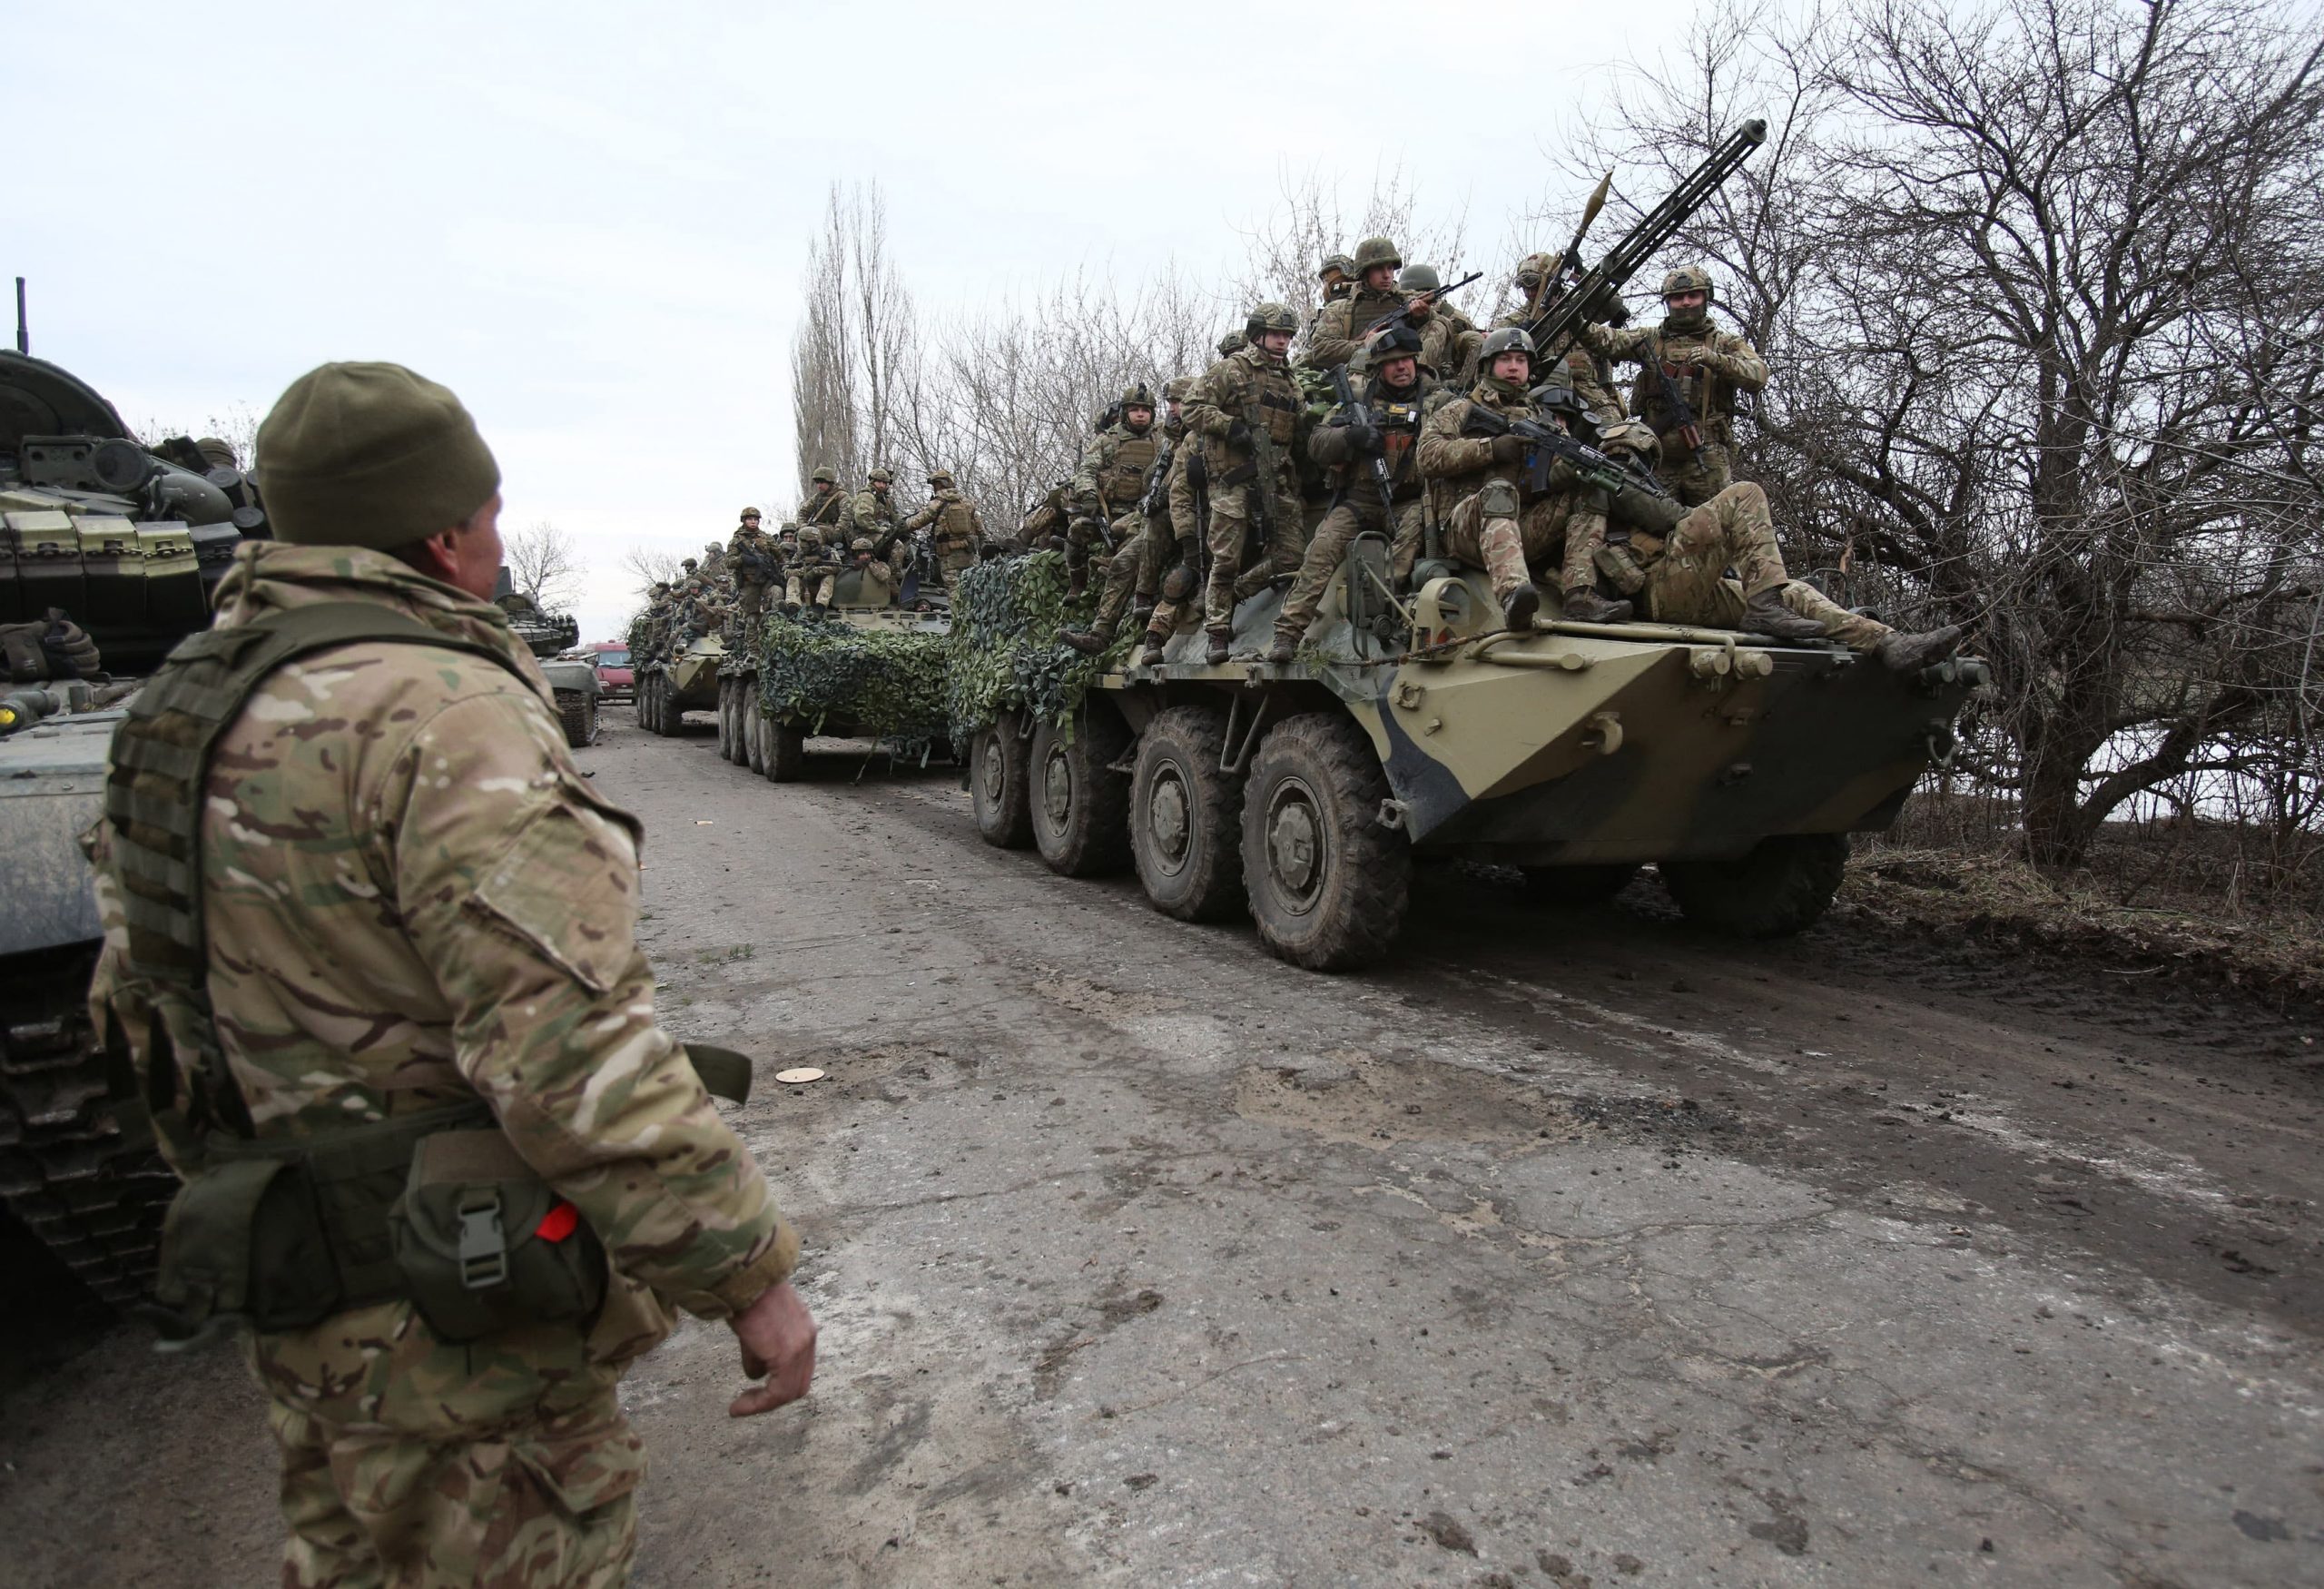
[1598,295]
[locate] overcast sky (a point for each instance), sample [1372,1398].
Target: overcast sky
[590,221]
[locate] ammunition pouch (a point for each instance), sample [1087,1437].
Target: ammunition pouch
[1499,499]
[483,1243]
[1621,568]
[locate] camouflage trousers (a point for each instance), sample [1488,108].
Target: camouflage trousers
[1489,529]
[1232,530]
[1349,518]
[1686,581]
[814,586]
[750,601]
[1135,571]
[1694,480]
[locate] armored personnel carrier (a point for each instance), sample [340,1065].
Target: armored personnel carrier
[1419,726]
[128,541]
[869,670]
[668,687]
[547,636]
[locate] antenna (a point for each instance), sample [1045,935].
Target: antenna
[23,336]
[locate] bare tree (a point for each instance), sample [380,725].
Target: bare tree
[543,565]
[854,355]
[647,568]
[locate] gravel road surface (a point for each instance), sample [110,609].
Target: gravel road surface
[1578,1248]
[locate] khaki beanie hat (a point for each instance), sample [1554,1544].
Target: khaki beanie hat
[370,455]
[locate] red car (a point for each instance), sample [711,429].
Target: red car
[613,675]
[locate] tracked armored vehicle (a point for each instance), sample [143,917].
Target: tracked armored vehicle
[817,678]
[128,541]
[1418,727]
[549,635]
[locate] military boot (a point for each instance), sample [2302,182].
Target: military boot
[790,609]
[1517,607]
[1222,641]
[1902,653]
[1587,606]
[1286,648]
[1152,655]
[1088,642]
[1765,614]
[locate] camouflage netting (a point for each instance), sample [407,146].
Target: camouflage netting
[1006,615]
[882,682]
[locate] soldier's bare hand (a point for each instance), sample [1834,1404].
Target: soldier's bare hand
[778,1339]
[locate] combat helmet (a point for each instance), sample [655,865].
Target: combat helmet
[1175,391]
[1232,344]
[687,564]
[1508,339]
[881,476]
[1376,251]
[1419,278]
[1270,316]
[751,513]
[1689,279]
[1632,436]
[939,476]
[1398,341]
[825,475]
[862,543]
[1555,393]
[1335,265]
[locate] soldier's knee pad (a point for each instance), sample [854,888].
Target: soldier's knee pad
[1179,583]
[1498,499]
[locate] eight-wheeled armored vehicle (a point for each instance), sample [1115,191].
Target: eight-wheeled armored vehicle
[867,670]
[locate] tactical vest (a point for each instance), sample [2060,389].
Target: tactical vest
[1274,404]
[281,1233]
[1708,393]
[953,532]
[1122,480]
[827,510]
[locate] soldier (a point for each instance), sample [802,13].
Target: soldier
[1108,484]
[1706,366]
[1539,286]
[490,1176]
[876,584]
[1232,344]
[955,533]
[1493,515]
[1154,538]
[757,566]
[1393,399]
[1248,412]
[826,507]
[1340,327]
[714,560]
[1449,338]
[874,512]
[1337,275]
[812,578]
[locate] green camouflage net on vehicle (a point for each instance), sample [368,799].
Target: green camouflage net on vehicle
[1006,615]
[880,683]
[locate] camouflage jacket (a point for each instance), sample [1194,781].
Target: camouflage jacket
[1709,367]
[1449,343]
[1456,465]
[1399,416]
[828,511]
[749,544]
[957,534]
[1111,476]
[869,512]
[1250,388]
[1339,326]
[413,899]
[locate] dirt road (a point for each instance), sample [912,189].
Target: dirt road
[1578,1249]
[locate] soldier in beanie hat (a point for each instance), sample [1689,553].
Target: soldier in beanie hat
[344,845]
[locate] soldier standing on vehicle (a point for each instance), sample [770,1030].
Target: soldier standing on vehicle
[955,533]
[1539,288]
[1392,399]
[1449,338]
[1248,412]
[814,575]
[826,506]
[872,512]
[1107,483]
[1341,326]
[1151,542]
[757,566]
[442,1017]
[1690,372]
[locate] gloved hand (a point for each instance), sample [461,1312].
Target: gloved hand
[1508,450]
[1365,438]
[1239,433]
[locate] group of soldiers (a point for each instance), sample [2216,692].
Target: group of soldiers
[1450,441]
[802,566]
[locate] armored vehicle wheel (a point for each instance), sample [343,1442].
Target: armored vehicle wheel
[1589,885]
[1184,823]
[754,729]
[65,1172]
[998,769]
[1784,884]
[1079,806]
[577,711]
[668,721]
[641,703]
[786,750]
[1327,884]
[726,689]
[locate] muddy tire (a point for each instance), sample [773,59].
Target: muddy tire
[1782,885]
[998,765]
[577,712]
[642,702]
[1185,817]
[1080,807]
[786,750]
[727,690]
[754,729]
[1592,883]
[65,1173]
[1327,884]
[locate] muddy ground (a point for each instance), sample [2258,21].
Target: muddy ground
[1578,1249]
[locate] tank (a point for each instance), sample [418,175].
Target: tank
[1418,727]
[128,540]
[548,636]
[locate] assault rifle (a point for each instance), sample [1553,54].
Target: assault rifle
[1634,498]
[1677,409]
[1403,316]
[1598,295]
[1359,417]
[1155,501]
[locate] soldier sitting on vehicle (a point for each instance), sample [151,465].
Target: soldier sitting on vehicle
[868,580]
[814,575]
[1108,484]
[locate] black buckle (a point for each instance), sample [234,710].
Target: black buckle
[484,1245]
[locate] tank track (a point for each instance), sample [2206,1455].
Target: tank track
[95,1203]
